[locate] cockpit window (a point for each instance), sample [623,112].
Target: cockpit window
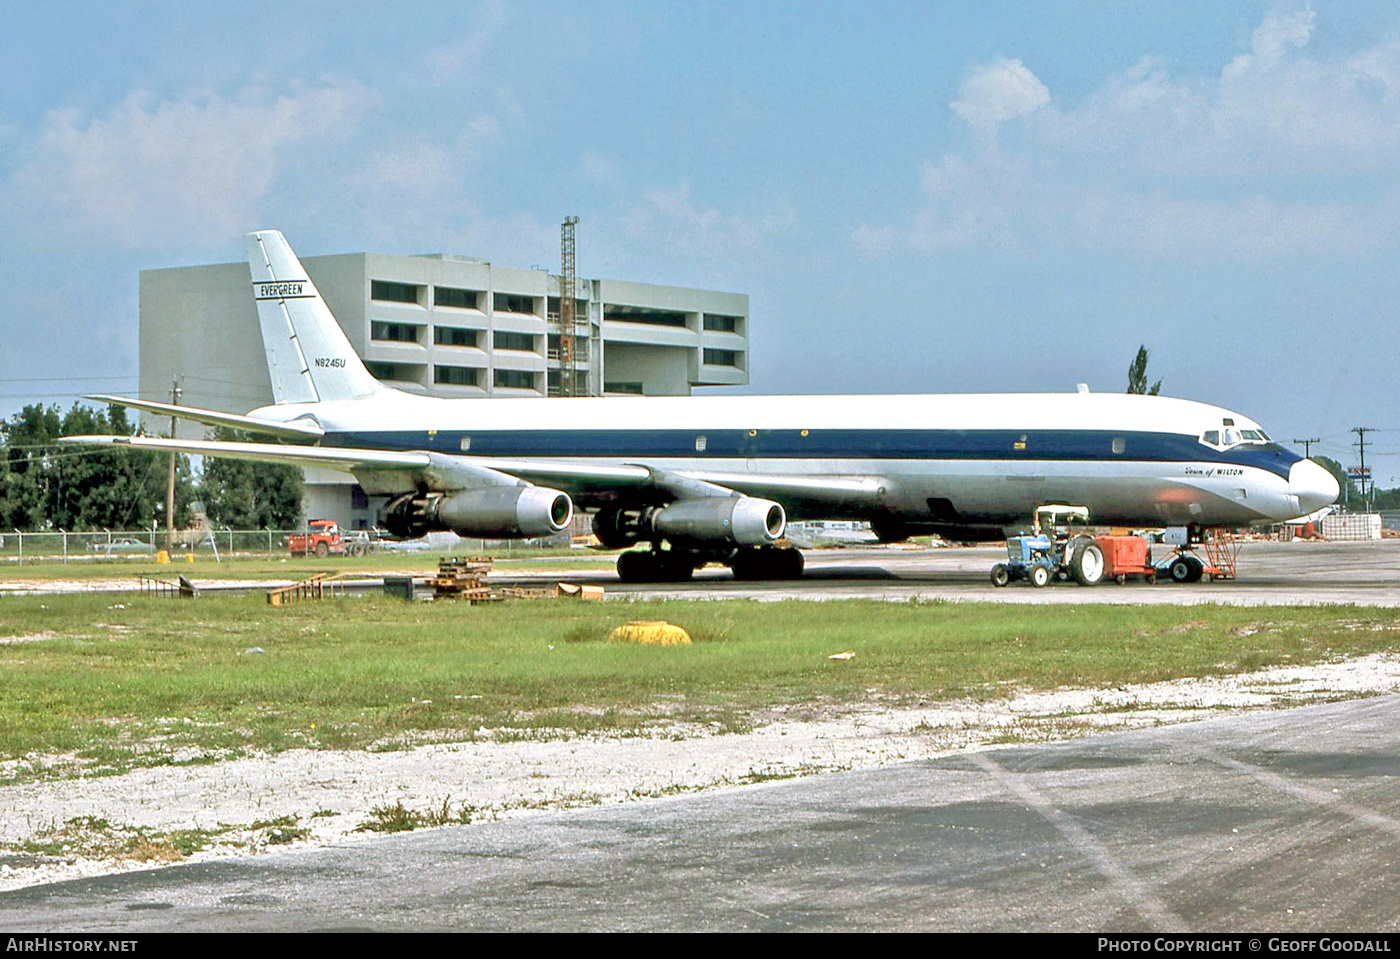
[1230,437]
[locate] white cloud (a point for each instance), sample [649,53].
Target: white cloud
[1243,228]
[671,216]
[1271,41]
[999,91]
[152,170]
[1281,153]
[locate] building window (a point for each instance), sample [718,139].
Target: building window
[555,380]
[452,336]
[553,347]
[721,357]
[402,372]
[627,389]
[455,375]
[718,323]
[552,307]
[358,499]
[514,341]
[639,314]
[458,299]
[516,379]
[394,332]
[514,303]
[392,292]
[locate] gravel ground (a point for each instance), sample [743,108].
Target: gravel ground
[331,793]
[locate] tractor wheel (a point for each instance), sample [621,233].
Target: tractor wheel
[1087,565]
[1000,575]
[1039,576]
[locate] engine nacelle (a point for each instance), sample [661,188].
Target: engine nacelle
[504,511]
[741,520]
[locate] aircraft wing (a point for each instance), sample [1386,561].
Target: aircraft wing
[295,430]
[387,472]
[348,460]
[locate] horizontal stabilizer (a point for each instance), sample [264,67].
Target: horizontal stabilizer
[303,429]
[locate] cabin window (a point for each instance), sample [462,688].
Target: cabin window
[1119,444]
[464,444]
[700,443]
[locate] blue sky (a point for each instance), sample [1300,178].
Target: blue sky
[922,197]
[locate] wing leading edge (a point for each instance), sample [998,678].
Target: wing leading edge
[386,472]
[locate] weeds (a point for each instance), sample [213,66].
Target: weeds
[399,818]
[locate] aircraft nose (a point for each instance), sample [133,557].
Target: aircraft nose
[1312,485]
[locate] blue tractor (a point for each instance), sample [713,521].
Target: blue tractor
[1058,547]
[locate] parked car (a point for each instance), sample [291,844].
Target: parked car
[122,547]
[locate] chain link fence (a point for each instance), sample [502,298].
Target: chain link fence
[19,546]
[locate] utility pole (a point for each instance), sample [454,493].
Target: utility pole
[1361,432]
[175,392]
[1307,445]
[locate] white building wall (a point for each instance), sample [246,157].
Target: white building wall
[200,324]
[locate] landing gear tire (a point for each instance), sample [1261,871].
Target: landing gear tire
[1039,576]
[1186,569]
[767,562]
[653,566]
[1000,575]
[1087,564]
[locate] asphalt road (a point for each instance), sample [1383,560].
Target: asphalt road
[1269,573]
[1282,822]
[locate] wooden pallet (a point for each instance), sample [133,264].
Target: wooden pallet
[320,586]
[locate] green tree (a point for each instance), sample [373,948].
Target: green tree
[1137,374]
[246,495]
[46,485]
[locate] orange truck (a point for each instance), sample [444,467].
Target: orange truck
[322,538]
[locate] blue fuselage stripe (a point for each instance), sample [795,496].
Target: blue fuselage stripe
[1009,446]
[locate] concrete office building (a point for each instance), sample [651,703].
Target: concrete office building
[442,326]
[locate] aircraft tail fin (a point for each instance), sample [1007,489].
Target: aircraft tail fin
[309,358]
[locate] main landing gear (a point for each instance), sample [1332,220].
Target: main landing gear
[677,565]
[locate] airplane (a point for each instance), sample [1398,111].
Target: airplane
[715,479]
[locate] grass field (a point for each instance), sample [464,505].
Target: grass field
[292,568]
[114,681]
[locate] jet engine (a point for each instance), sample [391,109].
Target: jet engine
[505,511]
[702,521]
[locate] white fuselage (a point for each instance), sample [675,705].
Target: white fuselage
[982,460]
